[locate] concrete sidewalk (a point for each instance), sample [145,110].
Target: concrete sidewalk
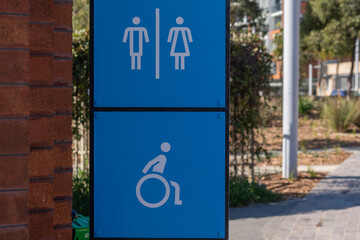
[330,211]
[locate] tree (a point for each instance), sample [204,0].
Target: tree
[249,11]
[329,30]
[81,13]
[350,21]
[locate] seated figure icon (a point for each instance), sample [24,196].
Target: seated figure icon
[158,166]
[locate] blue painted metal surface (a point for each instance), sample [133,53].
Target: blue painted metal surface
[141,157]
[137,42]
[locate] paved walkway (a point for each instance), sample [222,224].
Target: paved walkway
[330,211]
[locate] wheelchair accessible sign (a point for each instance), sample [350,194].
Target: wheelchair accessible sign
[159,119]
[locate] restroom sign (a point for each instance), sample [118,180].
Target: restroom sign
[159,53]
[179,38]
[159,119]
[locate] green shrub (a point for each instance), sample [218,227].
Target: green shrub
[305,106]
[243,193]
[250,74]
[81,81]
[81,192]
[340,113]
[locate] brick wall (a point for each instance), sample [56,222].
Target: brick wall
[35,119]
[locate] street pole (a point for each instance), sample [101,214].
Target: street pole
[357,65]
[310,79]
[290,88]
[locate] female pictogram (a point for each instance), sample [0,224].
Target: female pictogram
[158,165]
[181,44]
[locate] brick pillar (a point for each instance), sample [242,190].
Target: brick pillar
[50,165]
[41,164]
[35,119]
[14,119]
[63,118]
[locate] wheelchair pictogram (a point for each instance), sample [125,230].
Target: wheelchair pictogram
[158,165]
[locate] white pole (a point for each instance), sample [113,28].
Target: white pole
[291,88]
[357,65]
[310,79]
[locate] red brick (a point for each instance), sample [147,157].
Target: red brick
[63,155]
[14,6]
[41,38]
[62,212]
[63,15]
[41,100]
[63,72]
[14,31]
[41,10]
[14,101]
[41,225]
[63,234]
[42,70]
[14,172]
[14,67]
[63,184]
[63,44]
[62,128]
[14,233]
[16,210]
[41,195]
[41,162]
[41,132]
[14,136]
[62,100]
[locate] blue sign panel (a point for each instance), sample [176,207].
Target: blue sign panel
[159,175]
[159,53]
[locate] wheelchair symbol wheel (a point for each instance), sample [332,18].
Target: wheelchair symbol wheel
[167,190]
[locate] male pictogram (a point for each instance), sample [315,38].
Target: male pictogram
[136,53]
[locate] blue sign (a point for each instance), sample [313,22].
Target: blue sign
[159,175]
[159,53]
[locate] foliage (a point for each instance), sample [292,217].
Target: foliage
[305,106]
[279,43]
[81,13]
[250,73]
[341,114]
[243,193]
[336,25]
[311,172]
[81,80]
[309,22]
[81,192]
[249,11]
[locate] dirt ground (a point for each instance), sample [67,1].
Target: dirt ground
[313,158]
[313,133]
[292,188]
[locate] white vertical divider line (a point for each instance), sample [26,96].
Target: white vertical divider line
[157,67]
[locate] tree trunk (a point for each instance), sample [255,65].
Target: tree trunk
[348,93]
[337,72]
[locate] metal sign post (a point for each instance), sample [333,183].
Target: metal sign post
[310,79]
[291,88]
[159,119]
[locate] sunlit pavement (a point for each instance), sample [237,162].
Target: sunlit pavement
[330,211]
